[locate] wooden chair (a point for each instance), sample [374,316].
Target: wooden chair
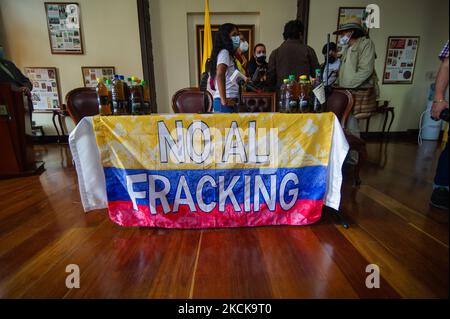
[340,102]
[82,102]
[192,100]
[383,107]
[258,102]
[61,115]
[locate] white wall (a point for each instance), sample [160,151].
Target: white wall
[427,19]
[110,37]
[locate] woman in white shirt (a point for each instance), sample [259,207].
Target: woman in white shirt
[226,41]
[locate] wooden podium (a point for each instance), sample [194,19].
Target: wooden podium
[16,146]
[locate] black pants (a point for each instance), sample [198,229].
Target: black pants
[441,178]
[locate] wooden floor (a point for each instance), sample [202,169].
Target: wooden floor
[43,229]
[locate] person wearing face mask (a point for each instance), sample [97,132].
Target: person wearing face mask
[358,55]
[333,63]
[222,67]
[357,74]
[357,69]
[257,67]
[241,60]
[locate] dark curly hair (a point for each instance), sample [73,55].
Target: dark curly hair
[333,47]
[221,41]
[258,45]
[293,30]
[357,33]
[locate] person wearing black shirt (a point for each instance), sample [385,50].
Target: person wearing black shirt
[257,67]
[11,74]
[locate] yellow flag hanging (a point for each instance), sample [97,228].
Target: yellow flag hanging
[207,37]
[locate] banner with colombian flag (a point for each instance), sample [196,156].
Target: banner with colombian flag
[210,170]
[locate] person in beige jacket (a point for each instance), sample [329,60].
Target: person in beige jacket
[357,72]
[358,59]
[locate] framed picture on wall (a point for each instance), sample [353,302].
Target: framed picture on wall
[348,13]
[91,73]
[64,27]
[400,61]
[248,30]
[45,94]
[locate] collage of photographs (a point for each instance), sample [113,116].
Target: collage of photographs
[45,94]
[400,59]
[64,27]
[90,74]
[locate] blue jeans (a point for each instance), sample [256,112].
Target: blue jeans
[441,178]
[219,108]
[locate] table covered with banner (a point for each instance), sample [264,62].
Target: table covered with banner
[210,170]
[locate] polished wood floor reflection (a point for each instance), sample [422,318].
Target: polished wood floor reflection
[43,229]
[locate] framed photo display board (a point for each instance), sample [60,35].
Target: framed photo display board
[64,27]
[46,92]
[401,54]
[91,73]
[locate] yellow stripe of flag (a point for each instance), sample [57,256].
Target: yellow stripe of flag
[207,37]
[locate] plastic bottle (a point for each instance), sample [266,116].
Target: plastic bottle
[136,97]
[146,97]
[296,88]
[129,85]
[114,102]
[316,106]
[104,106]
[305,85]
[318,76]
[126,93]
[282,102]
[291,94]
[118,96]
[108,84]
[304,94]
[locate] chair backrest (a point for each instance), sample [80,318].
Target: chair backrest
[258,102]
[340,102]
[82,102]
[192,100]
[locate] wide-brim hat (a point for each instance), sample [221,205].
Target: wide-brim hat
[351,24]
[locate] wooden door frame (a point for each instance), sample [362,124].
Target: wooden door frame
[303,16]
[145,35]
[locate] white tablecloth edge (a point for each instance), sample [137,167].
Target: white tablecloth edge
[338,153]
[81,142]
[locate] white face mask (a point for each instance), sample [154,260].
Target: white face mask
[243,46]
[345,39]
